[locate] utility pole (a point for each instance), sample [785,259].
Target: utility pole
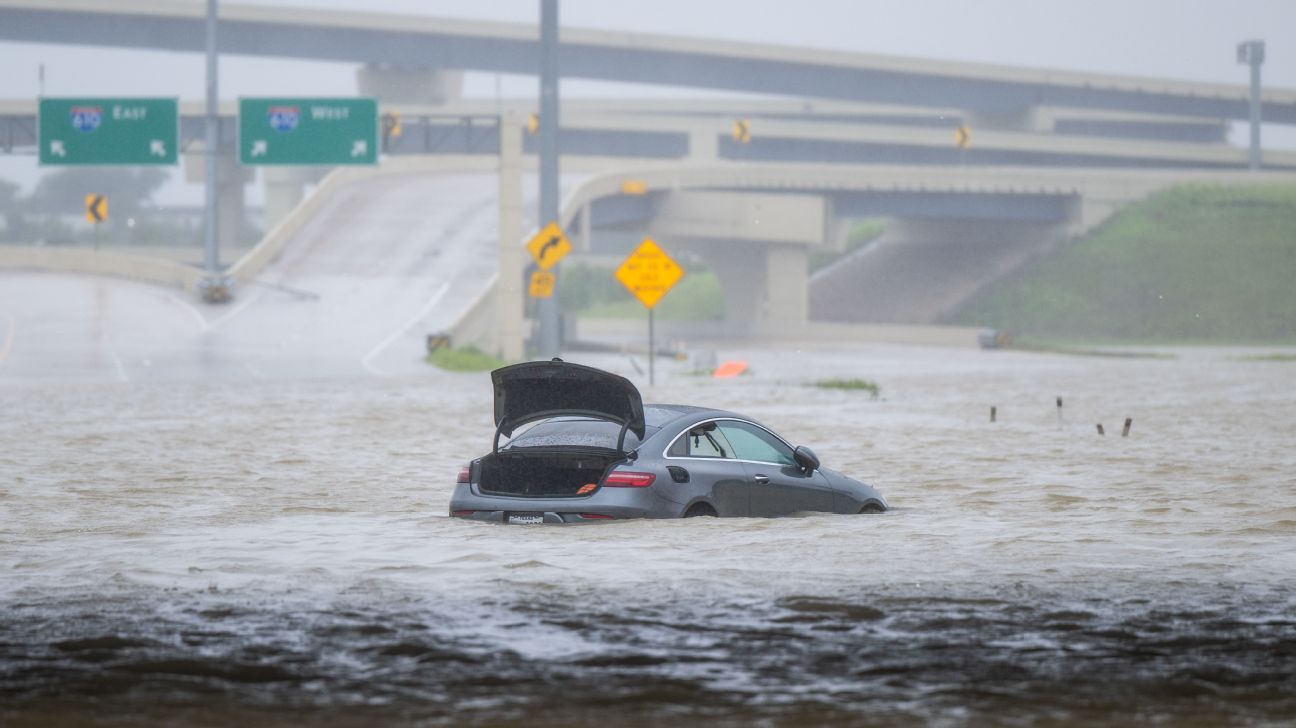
[214,289]
[1253,52]
[548,337]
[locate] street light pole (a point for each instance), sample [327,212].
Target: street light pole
[548,337]
[1253,52]
[214,290]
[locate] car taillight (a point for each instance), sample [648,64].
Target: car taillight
[597,516]
[462,513]
[624,479]
[465,474]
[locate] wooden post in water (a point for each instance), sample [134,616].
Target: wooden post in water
[1100,429]
[1128,421]
[1059,411]
[992,413]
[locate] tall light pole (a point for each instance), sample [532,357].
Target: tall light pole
[548,337]
[1253,53]
[212,287]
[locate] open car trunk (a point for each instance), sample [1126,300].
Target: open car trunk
[542,474]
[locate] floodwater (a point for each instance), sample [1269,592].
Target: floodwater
[278,552]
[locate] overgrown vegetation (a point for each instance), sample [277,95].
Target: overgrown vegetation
[1270,357]
[464,359]
[1194,264]
[851,385]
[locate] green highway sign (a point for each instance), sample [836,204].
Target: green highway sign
[92,130]
[308,131]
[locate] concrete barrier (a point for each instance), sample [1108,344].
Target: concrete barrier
[101,263]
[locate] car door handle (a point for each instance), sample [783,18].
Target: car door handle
[761,479]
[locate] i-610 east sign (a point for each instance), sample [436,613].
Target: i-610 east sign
[308,131]
[108,131]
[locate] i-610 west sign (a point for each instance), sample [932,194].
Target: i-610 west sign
[308,131]
[95,130]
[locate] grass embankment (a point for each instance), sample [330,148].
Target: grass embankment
[1192,264]
[466,359]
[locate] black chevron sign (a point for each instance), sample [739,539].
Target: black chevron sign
[96,208]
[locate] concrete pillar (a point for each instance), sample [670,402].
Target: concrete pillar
[584,243]
[231,203]
[231,207]
[743,281]
[508,288]
[786,289]
[424,86]
[704,143]
[284,189]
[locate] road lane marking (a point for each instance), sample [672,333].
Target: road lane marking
[238,309]
[434,300]
[117,362]
[202,322]
[10,332]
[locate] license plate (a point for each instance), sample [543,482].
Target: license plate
[525,519]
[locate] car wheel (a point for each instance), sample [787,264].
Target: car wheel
[700,509]
[872,508]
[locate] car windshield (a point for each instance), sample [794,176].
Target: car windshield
[575,432]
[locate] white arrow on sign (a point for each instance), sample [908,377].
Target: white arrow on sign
[56,148]
[360,148]
[157,147]
[259,148]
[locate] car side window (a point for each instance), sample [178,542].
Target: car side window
[701,442]
[752,443]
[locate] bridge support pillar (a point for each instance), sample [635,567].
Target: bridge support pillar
[395,85]
[765,290]
[231,205]
[285,187]
[508,287]
[704,144]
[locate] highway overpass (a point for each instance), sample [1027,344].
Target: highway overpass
[1008,97]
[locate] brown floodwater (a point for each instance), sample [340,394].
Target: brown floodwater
[278,552]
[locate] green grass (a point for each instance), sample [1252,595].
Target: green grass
[851,385]
[466,359]
[1193,264]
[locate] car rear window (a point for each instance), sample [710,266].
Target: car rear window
[575,432]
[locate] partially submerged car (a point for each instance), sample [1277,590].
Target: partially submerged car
[595,452]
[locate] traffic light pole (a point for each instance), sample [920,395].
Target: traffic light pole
[548,336]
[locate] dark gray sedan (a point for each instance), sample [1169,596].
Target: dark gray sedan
[595,452]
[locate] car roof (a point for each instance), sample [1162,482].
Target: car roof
[660,415]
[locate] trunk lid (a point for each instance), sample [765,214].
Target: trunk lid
[537,390]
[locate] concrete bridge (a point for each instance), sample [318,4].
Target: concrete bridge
[418,59]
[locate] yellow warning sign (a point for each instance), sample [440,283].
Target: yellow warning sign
[649,273]
[742,131]
[963,137]
[549,246]
[96,208]
[542,284]
[533,124]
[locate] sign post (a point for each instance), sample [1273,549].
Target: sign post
[103,131]
[649,273]
[308,131]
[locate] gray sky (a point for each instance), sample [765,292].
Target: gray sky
[1181,39]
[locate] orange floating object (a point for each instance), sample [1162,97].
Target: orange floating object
[729,369]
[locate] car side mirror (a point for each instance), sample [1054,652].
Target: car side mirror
[806,458]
